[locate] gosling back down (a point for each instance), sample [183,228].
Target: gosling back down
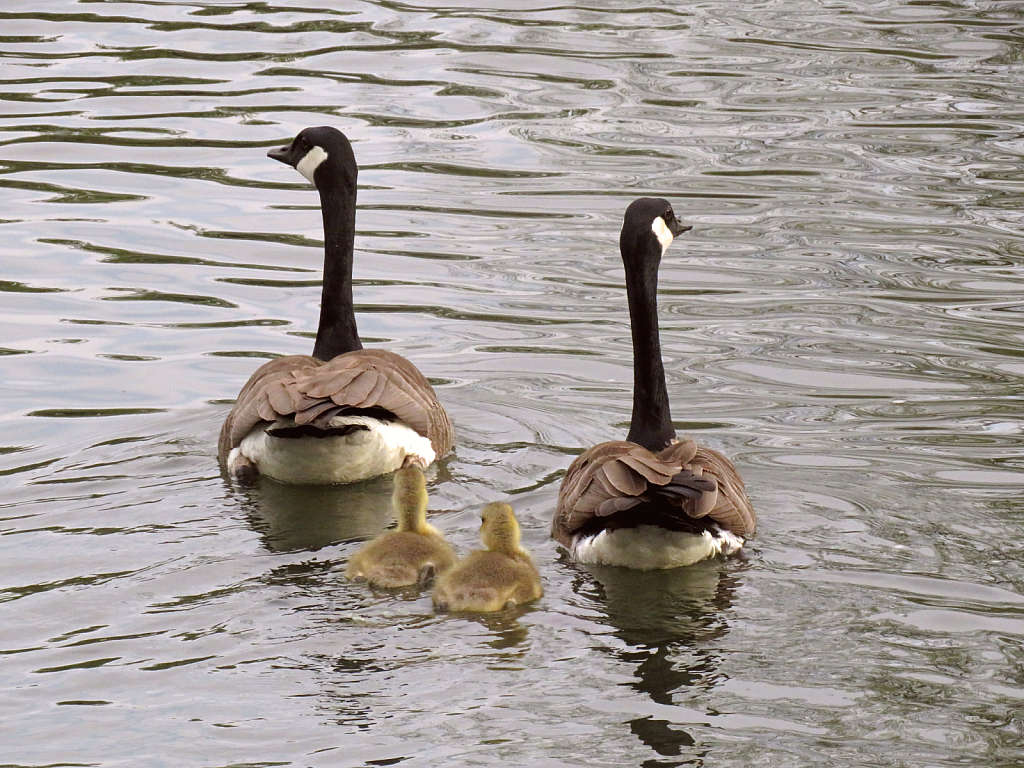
[489,580]
[414,553]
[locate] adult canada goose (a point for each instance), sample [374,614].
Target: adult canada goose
[413,554]
[346,413]
[650,501]
[487,580]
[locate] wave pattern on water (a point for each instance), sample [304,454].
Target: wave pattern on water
[843,321]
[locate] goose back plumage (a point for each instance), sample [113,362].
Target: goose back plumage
[676,486]
[307,389]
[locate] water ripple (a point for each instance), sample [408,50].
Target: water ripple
[843,321]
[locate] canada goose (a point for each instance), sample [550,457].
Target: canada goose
[413,554]
[650,501]
[346,413]
[488,580]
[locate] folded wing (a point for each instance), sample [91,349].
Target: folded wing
[308,390]
[684,481]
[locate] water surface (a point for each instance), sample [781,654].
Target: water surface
[844,321]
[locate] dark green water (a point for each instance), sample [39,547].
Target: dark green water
[845,320]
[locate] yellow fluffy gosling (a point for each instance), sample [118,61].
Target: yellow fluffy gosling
[488,580]
[413,554]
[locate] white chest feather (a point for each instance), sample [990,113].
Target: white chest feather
[381,448]
[648,547]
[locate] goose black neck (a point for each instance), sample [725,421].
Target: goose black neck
[651,424]
[337,332]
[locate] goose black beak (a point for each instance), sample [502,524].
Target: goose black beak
[282,155]
[677,229]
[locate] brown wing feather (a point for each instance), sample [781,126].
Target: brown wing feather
[733,510]
[300,386]
[591,480]
[609,476]
[358,390]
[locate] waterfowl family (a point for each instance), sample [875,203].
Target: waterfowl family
[488,580]
[345,413]
[413,554]
[650,501]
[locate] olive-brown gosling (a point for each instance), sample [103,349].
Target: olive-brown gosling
[490,579]
[413,554]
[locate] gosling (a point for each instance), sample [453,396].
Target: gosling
[414,553]
[491,579]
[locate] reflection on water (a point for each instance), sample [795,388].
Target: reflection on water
[678,605]
[503,630]
[843,321]
[669,623]
[292,518]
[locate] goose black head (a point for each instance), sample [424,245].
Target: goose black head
[319,152]
[648,228]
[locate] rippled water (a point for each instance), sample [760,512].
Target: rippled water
[844,320]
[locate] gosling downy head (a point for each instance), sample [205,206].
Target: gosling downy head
[499,529]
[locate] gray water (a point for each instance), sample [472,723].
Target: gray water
[845,321]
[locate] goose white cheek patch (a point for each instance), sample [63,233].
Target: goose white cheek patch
[307,166]
[662,232]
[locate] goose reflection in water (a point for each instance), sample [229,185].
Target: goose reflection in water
[291,518]
[667,620]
